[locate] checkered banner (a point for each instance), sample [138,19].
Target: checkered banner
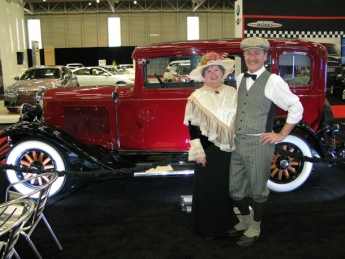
[294,34]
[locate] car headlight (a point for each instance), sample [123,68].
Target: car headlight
[10,89]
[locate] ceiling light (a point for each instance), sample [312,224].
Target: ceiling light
[135,2]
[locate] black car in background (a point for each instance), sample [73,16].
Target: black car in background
[333,62]
[338,83]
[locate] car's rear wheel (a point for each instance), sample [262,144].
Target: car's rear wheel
[289,173]
[35,154]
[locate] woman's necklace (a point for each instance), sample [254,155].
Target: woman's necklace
[216,91]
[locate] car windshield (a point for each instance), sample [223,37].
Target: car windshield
[42,73]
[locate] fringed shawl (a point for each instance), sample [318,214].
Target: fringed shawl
[214,112]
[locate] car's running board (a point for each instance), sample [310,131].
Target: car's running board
[166,171]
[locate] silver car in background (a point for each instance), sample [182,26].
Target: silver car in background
[93,76]
[35,80]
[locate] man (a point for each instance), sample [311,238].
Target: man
[259,93]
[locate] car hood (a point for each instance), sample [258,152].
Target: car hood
[33,85]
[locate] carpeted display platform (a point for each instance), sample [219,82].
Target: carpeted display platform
[338,111]
[141,218]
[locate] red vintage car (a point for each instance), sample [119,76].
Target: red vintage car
[116,126]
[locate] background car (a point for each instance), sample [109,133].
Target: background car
[338,83]
[37,79]
[333,62]
[90,76]
[125,68]
[182,72]
[74,66]
[171,69]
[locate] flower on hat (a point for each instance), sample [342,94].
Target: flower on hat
[209,59]
[212,56]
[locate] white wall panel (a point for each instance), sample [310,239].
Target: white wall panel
[169,25]
[126,31]
[138,29]
[182,26]
[46,30]
[74,30]
[90,30]
[154,28]
[58,31]
[103,30]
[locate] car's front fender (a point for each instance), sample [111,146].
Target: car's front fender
[94,154]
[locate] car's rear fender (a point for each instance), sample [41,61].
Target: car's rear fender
[303,130]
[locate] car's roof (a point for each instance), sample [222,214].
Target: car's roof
[92,67]
[45,67]
[202,46]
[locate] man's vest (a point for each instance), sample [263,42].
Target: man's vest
[255,113]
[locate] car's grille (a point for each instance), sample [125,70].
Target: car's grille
[86,119]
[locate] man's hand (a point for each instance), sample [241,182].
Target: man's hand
[271,138]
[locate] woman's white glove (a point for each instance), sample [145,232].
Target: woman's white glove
[196,150]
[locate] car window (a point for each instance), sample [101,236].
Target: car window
[82,72]
[295,69]
[97,71]
[43,73]
[172,71]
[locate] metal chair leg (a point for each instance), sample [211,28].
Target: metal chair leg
[51,232]
[27,237]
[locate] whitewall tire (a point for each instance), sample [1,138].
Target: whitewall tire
[289,173]
[35,154]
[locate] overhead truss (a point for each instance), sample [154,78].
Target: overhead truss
[37,7]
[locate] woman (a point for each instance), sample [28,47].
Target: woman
[210,114]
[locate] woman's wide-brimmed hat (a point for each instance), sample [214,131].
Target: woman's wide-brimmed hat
[212,59]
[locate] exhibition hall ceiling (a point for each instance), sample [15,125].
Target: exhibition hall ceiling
[33,7]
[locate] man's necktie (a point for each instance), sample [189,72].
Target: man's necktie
[246,74]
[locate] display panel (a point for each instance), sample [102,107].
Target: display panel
[342,49]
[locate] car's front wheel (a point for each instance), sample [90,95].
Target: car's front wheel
[288,173]
[35,154]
